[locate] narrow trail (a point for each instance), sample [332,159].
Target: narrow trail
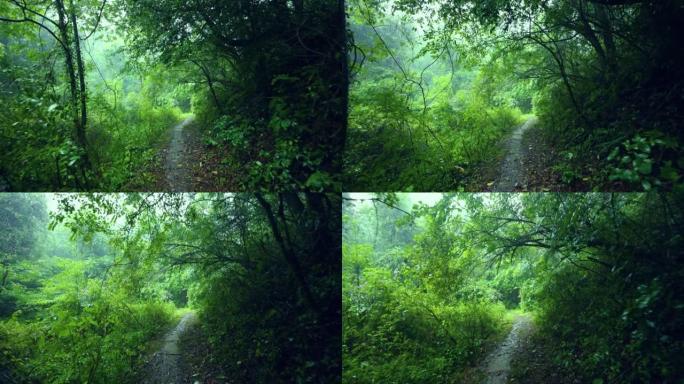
[177,166]
[512,175]
[497,365]
[166,365]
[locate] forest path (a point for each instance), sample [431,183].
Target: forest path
[512,175]
[177,166]
[497,365]
[166,365]
[186,163]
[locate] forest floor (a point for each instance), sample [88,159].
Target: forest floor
[539,159]
[185,163]
[203,367]
[177,165]
[513,175]
[183,356]
[497,365]
[169,364]
[533,364]
[527,164]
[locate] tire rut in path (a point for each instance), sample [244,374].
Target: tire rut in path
[512,175]
[497,365]
[177,167]
[166,365]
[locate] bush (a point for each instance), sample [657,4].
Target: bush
[405,339]
[619,328]
[392,145]
[93,336]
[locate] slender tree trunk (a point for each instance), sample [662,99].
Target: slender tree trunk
[5,273]
[210,82]
[83,91]
[69,61]
[78,112]
[81,73]
[558,58]
[288,253]
[213,91]
[585,29]
[607,33]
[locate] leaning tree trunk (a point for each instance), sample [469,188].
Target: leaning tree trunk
[287,251]
[210,82]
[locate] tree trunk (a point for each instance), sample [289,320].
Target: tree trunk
[4,277]
[81,73]
[77,115]
[210,82]
[585,29]
[288,253]
[607,33]
[69,61]
[558,58]
[83,92]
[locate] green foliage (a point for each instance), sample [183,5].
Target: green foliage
[232,132]
[409,313]
[89,110]
[479,129]
[601,273]
[420,119]
[598,74]
[125,120]
[639,157]
[129,133]
[258,333]
[86,300]
[85,332]
[274,88]
[619,323]
[400,340]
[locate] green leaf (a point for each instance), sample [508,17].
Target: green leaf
[318,180]
[645,167]
[669,173]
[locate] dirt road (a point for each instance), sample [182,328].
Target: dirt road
[166,366]
[512,175]
[497,365]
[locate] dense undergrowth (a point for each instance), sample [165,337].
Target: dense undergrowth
[419,119]
[602,77]
[90,88]
[426,289]
[394,148]
[622,322]
[63,317]
[102,343]
[90,282]
[259,333]
[127,109]
[403,320]
[412,340]
[270,83]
